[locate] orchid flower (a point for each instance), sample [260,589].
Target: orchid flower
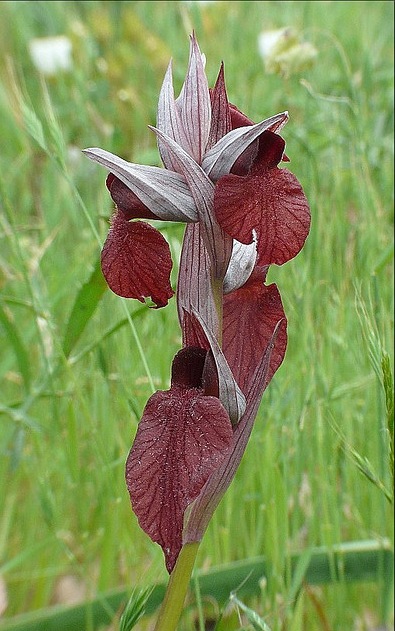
[242,213]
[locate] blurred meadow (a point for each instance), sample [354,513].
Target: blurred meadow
[77,363]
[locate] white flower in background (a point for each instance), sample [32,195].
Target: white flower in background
[284,52]
[51,54]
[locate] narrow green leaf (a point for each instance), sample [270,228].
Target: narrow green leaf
[62,618]
[84,306]
[110,331]
[18,561]
[16,342]
[134,609]
[90,347]
[388,385]
[354,561]
[385,258]
[299,573]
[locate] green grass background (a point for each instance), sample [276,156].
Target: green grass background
[68,419]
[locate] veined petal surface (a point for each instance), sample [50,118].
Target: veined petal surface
[219,160]
[126,201]
[136,261]
[218,244]
[230,394]
[221,122]
[169,120]
[201,510]
[194,104]
[268,202]
[194,283]
[250,315]
[164,192]
[181,439]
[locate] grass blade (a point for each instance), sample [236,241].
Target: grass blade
[388,385]
[84,307]
[256,621]
[134,610]
[113,329]
[16,342]
[354,561]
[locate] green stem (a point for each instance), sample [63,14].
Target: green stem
[172,605]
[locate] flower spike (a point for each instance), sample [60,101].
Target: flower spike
[242,213]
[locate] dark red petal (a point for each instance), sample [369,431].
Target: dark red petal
[238,119]
[251,154]
[182,438]
[194,335]
[125,200]
[187,368]
[192,332]
[200,512]
[269,201]
[270,153]
[136,261]
[220,111]
[249,318]
[245,160]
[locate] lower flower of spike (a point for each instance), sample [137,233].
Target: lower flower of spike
[183,436]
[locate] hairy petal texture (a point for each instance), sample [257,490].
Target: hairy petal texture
[250,315]
[270,202]
[201,510]
[136,261]
[182,438]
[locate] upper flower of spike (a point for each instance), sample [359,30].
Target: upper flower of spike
[201,139]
